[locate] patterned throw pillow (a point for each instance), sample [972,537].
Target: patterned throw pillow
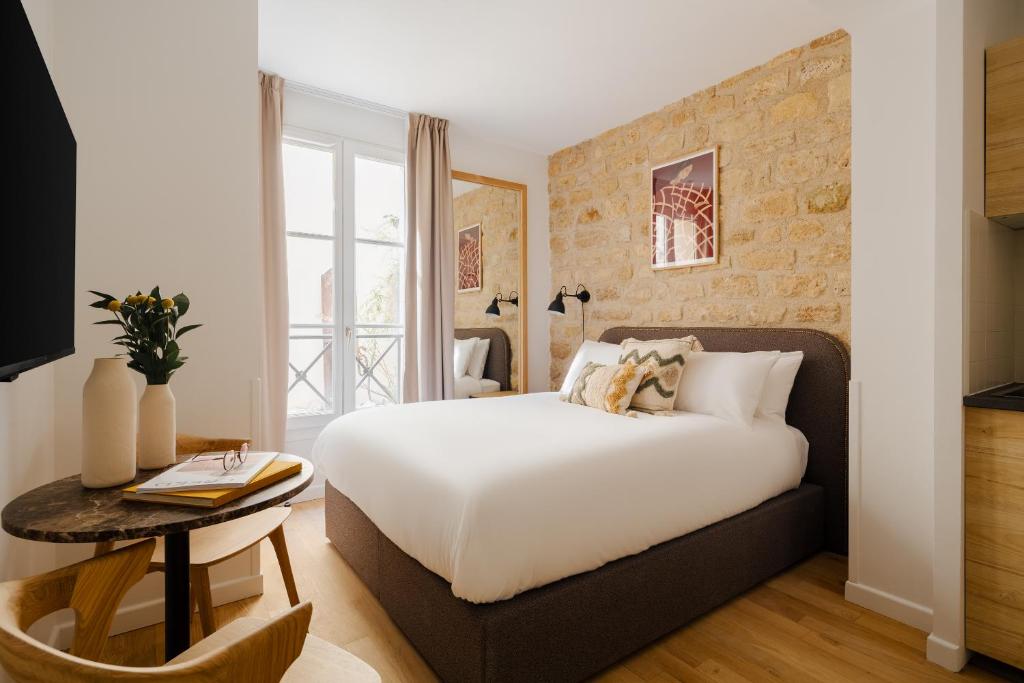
[607,387]
[663,361]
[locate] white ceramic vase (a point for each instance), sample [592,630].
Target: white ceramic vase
[156,427]
[108,424]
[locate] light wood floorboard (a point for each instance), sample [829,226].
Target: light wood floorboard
[795,627]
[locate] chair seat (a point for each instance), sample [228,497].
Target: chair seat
[319,661]
[212,544]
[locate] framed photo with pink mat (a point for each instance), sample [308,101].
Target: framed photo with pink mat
[684,211]
[470,277]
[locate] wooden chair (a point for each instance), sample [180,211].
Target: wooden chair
[214,544]
[258,651]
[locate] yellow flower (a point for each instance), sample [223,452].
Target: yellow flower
[150,301]
[134,299]
[167,304]
[114,305]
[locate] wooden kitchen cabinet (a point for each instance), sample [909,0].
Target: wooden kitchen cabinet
[1004,132]
[994,526]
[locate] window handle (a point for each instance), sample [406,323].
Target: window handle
[348,332]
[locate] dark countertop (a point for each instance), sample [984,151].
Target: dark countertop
[993,398]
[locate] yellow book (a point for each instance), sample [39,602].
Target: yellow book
[212,498]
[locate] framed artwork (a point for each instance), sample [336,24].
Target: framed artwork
[684,211]
[470,259]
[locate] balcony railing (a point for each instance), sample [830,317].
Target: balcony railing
[312,377]
[378,364]
[378,367]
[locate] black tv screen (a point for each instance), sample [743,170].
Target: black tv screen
[37,246]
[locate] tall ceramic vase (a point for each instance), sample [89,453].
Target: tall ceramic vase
[108,424]
[156,427]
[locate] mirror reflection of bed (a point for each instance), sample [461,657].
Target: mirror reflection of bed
[491,349]
[490,225]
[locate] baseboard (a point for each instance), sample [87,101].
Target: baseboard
[149,612]
[946,654]
[893,606]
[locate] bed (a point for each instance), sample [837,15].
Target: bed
[498,368]
[498,586]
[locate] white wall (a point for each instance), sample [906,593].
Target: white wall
[162,98]
[163,101]
[945,642]
[892,318]
[917,163]
[966,303]
[326,113]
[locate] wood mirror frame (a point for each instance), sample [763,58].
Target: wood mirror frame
[523,360]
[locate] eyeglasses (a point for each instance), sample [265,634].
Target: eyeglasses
[230,460]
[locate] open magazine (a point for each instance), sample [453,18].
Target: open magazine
[208,473]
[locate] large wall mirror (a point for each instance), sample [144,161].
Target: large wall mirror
[490,285]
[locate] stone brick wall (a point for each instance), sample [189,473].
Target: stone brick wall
[783,131]
[497,212]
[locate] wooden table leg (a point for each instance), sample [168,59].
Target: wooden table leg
[177,602]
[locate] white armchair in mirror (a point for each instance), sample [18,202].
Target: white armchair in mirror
[490,287]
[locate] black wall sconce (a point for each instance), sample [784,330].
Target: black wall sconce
[493,311]
[557,306]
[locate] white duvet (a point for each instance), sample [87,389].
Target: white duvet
[503,495]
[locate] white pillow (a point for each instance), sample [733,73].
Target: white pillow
[478,359]
[589,352]
[725,384]
[778,386]
[463,354]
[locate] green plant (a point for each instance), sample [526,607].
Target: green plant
[150,331]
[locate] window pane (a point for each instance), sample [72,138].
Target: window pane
[378,366]
[378,283]
[308,189]
[310,280]
[379,200]
[310,371]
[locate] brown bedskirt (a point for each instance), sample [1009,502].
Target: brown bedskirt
[576,627]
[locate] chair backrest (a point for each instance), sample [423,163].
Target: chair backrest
[93,589]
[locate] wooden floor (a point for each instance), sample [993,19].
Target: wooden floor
[796,627]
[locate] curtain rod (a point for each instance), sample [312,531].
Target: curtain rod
[313,91]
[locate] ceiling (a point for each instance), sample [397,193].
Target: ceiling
[538,75]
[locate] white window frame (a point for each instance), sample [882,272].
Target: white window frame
[352,150]
[344,151]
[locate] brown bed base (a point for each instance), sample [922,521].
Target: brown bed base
[573,628]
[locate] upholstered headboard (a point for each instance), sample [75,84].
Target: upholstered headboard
[499,355]
[818,406]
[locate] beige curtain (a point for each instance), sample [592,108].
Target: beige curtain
[429,262]
[273,245]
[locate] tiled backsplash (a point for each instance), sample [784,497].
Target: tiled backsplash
[995,301]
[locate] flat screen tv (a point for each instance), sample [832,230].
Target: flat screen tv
[37,207]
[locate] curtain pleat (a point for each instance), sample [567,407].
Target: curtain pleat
[273,248]
[430,263]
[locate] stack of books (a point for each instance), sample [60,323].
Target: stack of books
[205,483]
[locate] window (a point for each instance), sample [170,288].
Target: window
[379,254]
[344,216]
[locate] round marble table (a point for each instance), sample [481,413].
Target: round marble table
[65,512]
